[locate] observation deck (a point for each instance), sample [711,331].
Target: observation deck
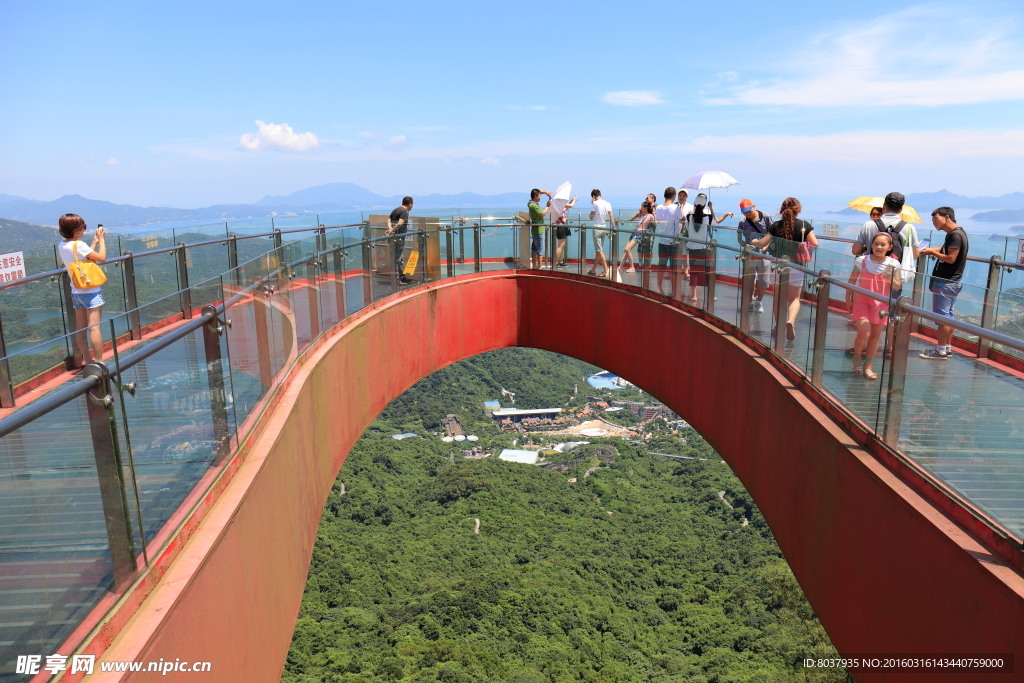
[106,474]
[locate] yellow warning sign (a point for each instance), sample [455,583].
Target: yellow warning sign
[410,265]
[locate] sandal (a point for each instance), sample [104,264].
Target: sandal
[790,332]
[869,373]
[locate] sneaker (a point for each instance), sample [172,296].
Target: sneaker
[559,265]
[404,280]
[932,354]
[752,305]
[760,307]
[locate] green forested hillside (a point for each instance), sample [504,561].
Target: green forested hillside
[539,379]
[640,571]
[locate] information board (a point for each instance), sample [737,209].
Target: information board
[12,266]
[830,229]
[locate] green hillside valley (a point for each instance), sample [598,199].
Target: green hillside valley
[602,562]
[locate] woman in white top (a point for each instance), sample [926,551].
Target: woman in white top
[698,254]
[88,303]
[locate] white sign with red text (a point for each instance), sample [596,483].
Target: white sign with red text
[12,266]
[1020,250]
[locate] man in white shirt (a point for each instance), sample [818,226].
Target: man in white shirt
[670,216]
[602,217]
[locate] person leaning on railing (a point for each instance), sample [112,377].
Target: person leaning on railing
[87,302]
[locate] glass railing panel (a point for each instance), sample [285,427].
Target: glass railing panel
[961,422]
[252,247]
[496,242]
[55,562]
[206,261]
[1008,317]
[32,314]
[171,425]
[965,301]
[156,276]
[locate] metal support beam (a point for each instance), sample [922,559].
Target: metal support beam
[746,288]
[233,260]
[277,238]
[131,296]
[367,273]
[477,249]
[340,301]
[820,329]
[611,262]
[70,322]
[215,381]
[186,293]
[583,248]
[110,475]
[897,371]
[449,251]
[988,308]
[920,283]
[675,270]
[710,267]
[781,305]
[312,295]
[259,307]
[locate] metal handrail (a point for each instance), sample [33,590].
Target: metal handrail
[166,250]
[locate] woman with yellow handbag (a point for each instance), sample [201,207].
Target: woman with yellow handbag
[86,279]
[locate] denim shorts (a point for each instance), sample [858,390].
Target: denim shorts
[944,297]
[536,243]
[94,300]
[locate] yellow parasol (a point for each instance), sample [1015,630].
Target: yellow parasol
[865,204]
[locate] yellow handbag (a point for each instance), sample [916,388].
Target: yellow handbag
[84,274]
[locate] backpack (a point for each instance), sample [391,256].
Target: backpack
[908,267]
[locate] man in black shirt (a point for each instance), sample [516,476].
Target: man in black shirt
[946,276]
[398,224]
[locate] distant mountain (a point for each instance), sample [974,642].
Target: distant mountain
[932,200]
[848,212]
[348,194]
[4,198]
[1002,215]
[324,198]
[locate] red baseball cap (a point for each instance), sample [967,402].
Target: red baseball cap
[746,205]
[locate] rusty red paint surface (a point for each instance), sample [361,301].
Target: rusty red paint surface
[885,569]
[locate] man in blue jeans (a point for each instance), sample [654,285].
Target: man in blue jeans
[946,276]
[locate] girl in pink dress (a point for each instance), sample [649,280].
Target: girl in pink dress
[875,272]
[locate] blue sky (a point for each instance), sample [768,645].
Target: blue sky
[195,103]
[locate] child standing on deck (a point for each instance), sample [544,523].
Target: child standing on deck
[875,272]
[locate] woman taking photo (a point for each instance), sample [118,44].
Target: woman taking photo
[87,301]
[787,235]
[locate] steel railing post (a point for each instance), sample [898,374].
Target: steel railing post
[550,240]
[233,259]
[260,304]
[920,280]
[212,331]
[611,261]
[421,241]
[477,247]
[449,250]
[6,383]
[131,296]
[781,305]
[988,308]
[675,269]
[710,267]
[583,248]
[367,273]
[71,323]
[897,371]
[746,288]
[110,475]
[339,283]
[462,245]
[185,292]
[277,238]
[312,288]
[820,329]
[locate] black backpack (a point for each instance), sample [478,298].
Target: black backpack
[894,233]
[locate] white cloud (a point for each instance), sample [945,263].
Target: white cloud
[396,139]
[949,57]
[279,136]
[633,98]
[491,160]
